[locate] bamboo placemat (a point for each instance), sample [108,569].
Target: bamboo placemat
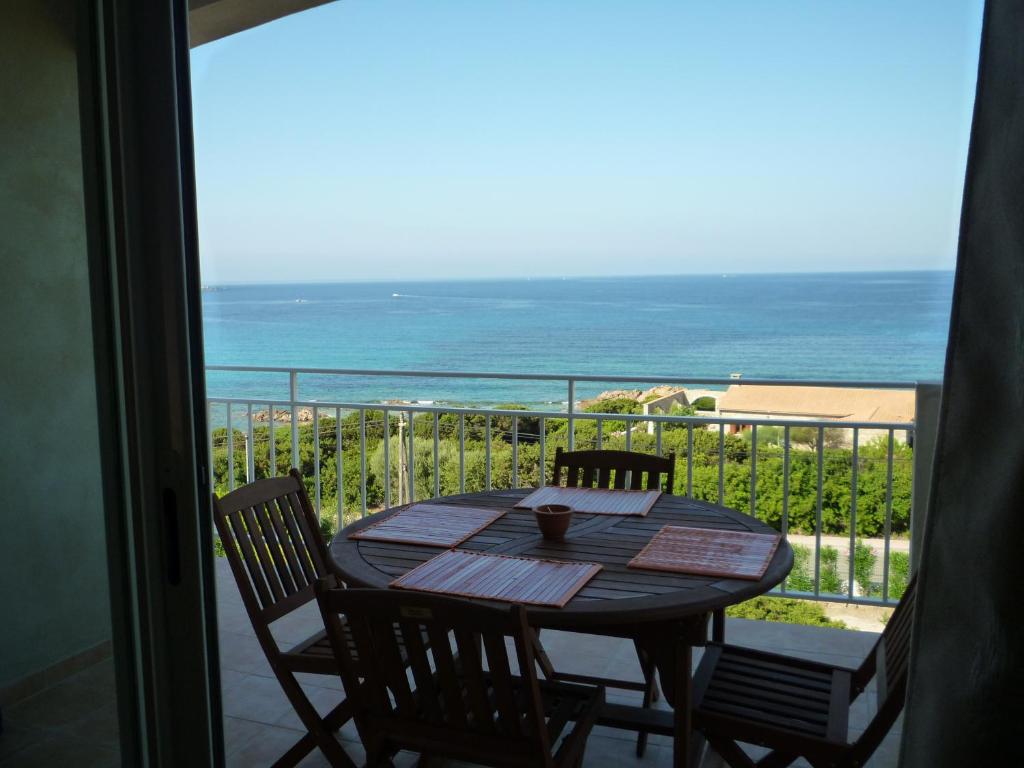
[708,552]
[594,501]
[436,525]
[499,577]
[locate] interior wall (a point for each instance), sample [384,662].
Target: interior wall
[53,568]
[966,694]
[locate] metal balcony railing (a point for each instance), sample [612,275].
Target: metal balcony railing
[420,451]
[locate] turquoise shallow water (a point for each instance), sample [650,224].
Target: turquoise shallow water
[839,326]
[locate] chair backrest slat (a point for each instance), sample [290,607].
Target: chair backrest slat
[274,550]
[305,518]
[299,542]
[273,514]
[238,541]
[427,690]
[463,676]
[472,673]
[390,666]
[501,678]
[453,705]
[615,469]
[264,558]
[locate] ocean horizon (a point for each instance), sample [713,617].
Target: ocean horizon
[839,325]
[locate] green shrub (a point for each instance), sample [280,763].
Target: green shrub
[704,403]
[801,505]
[785,610]
[800,578]
[899,574]
[830,580]
[863,566]
[614,405]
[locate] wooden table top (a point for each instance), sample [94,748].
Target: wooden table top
[617,595]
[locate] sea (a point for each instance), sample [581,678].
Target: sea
[852,326]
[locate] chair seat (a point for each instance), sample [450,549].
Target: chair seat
[768,699]
[315,654]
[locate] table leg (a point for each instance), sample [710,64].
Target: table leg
[683,685]
[673,654]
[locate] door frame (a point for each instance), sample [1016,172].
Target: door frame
[147,328]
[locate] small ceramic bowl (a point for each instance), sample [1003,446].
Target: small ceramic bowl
[553,520]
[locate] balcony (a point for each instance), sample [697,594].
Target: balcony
[721,457]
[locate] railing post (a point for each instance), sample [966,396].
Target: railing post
[250,446]
[854,469]
[362,458]
[316,460]
[926,431]
[341,468]
[571,410]
[515,452]
[462,453]
[437,457]
[411,464]
[231,451]
[293,396]
[542,473]
[209,445]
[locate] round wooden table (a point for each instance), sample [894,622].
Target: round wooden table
[665,614]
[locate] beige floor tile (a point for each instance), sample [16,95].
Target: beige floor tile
[255,698]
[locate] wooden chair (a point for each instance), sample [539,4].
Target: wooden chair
[273,544]
[464,704]
[604,469]
[610,469]
[800,708]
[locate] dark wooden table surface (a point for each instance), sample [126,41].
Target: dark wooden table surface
[665,613]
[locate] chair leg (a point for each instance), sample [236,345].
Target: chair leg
[336,718]
[541,656]
[319,730]
[776,759]
[377,756]
[718,625]
[650,693]
[294,755]
[730,751]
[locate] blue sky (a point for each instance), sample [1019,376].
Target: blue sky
[442,139]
